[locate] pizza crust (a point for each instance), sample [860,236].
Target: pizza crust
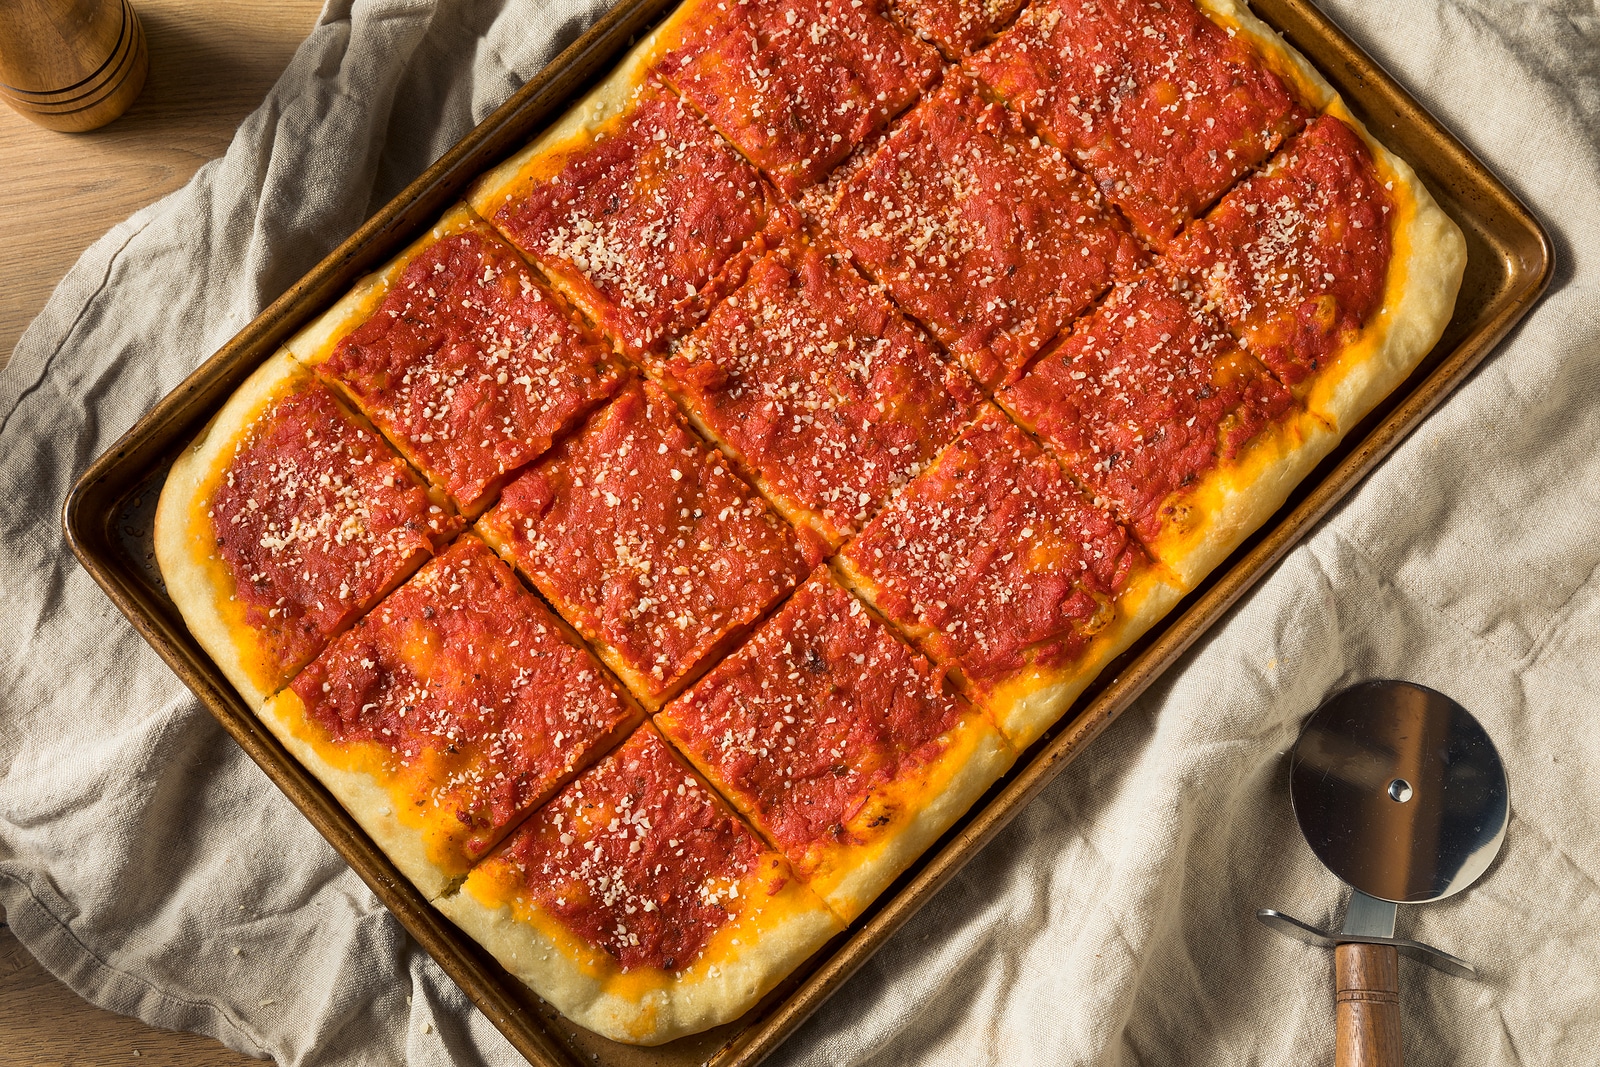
[1232,500]
[361,794]
[198,584]
[649,1006]
[1430,255]
[358,774]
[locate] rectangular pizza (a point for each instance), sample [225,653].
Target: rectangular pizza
[674,542]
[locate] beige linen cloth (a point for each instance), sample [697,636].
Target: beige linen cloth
[151,866]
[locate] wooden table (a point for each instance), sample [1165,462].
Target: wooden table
[210,65]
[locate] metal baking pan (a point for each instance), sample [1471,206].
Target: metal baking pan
[109,515]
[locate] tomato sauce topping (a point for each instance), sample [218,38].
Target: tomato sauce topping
[482,706]
[1164,107]
[817,711]
[989,237]
[315,516]
[646,541]
[641,225]
[796,84]
[470,363]
[640,858]
[1147,395]
[1297,257]
[956,26]
[997,554]
[822,388]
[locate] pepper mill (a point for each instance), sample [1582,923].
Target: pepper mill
[70,65]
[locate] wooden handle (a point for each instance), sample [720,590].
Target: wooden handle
[1368,1006]
[71,65]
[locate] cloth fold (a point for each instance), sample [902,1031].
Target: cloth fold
[148,863]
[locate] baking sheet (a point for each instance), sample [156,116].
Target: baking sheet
[108,518]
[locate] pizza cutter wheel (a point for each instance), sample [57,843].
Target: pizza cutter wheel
[1402,795]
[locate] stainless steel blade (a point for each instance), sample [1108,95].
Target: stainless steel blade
[1399,791]
[1368,916]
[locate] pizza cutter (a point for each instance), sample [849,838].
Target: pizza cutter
[1401,794]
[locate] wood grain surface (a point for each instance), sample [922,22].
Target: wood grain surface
[1367,1006]
[210,65]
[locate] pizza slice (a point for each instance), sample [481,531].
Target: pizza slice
[642,216]
[838,743]
[828,398]
[462,357]
[1152,406]
[986,235]
[1333,265]
[796,84]
[647,543]
[997,565]
[1166,108]
[447,714]
[283,522]
[639,905]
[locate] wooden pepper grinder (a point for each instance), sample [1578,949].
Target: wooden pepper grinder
[70,65]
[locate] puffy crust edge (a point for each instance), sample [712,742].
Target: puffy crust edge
[1430,256]
[850,877]
[649,1006]
[362,795]
[1232,500]
[1030,702]
[198,584]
